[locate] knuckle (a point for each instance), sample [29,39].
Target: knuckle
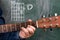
[33,28]
[30,30]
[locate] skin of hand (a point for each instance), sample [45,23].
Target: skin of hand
[27,32]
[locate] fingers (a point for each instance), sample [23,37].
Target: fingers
[33,28]
[31,31]
[25,31]
[22,34]
[29,20]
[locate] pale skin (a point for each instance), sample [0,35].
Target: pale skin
[27,32]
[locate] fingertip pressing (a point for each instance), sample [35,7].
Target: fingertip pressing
[29,20]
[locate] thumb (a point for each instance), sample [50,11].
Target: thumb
[29,20]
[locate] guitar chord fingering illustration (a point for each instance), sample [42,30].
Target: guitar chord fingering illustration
[17,11]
